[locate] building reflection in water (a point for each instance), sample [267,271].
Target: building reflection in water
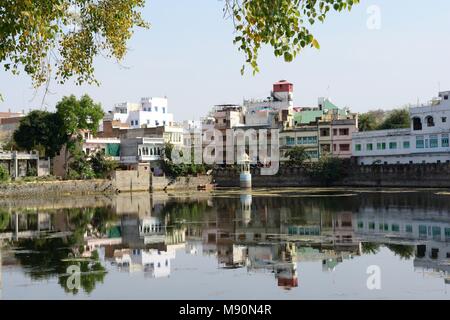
[258,233]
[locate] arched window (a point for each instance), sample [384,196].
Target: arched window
[417,123]
[430,121]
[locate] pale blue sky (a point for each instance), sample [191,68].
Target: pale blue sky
[189,56]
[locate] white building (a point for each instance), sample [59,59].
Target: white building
[426,141]
[150,112]
[152,261]
[279,104]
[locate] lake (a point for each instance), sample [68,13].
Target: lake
[228,244]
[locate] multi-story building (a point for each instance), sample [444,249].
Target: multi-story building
[150,112]
[426,141]
[278,106]
[323,130]
[9,122]
[134,151]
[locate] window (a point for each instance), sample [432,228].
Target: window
[444,119]
[417,124]
[132,122]
[164,110]
[344,147]
[430,121]
[419,142]
[436,232]
[324,132]
[446,97]
[381,145]
[447,233]
[343,132]
[395,228]
[406,145]
[334,147]
[422,231]
[312,154]
[360,224]
[335,132]
[357,147]
[409,228]
[371,225]
[290,141]
[392,145]
[444,141]
[369,147]
[433,141]
[136,122]
[156,109]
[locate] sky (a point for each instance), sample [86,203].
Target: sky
[188,55]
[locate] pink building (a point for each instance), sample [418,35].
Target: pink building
[341,136]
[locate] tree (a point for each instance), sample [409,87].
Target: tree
[370,247]
[79,166]
[42,131]
[78,115]
[297,156]
[101,165]
[4,176]
[282,24]
[48,132]
[403,251]
[370,120]
[396,119]
[328,170]
[60,38]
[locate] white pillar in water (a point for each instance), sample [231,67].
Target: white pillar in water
[245,177]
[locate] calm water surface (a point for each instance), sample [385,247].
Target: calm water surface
[228,244]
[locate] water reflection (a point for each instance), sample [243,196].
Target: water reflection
[257,231]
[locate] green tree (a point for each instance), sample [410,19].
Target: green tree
[370,120]
[101,165]
[42,131]
[282,24]
[297,156]
[60,38]
[370,248]
[328,170]
[396,119]
[4,176]
[5,218]
[79,166]
[76,115]
[403,251]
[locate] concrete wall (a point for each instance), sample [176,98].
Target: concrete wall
[56,188]
[180,183]
[132,180]
[417,175]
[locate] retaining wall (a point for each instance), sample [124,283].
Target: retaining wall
[397,175]
[56,188]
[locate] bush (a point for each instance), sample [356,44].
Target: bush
[4,176]
[328,170]
[102,166]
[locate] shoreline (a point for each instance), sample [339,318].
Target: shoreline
[106,188]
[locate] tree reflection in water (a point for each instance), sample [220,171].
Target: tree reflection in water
[47,257]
